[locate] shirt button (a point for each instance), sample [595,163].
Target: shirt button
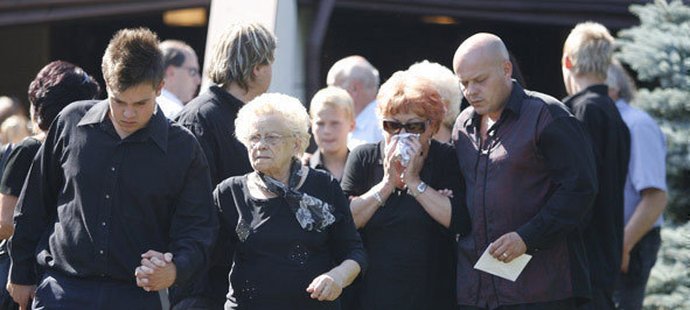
[101,251]
[107,196]
[112,169]
[103,224]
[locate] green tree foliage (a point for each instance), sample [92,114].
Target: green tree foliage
[669,282]
[659,51]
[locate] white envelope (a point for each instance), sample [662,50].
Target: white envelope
[509,271]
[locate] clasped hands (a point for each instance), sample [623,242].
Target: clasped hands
[157,271]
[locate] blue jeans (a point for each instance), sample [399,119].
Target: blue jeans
[630,287]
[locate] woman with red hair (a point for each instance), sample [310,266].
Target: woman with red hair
[407,201]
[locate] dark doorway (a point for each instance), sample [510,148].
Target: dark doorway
[393,42]
[84,41]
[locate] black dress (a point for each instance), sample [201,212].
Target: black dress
[411,256]
[274,266]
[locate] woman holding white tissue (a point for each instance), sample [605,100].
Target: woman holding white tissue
[407,200]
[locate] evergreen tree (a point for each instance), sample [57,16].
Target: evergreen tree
[659,51]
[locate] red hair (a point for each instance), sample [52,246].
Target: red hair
[406,93]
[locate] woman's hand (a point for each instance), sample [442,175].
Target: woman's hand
[392,168]
[417,157]
[325,287]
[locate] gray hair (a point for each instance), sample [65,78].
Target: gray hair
[290,109]
[353,68]
[175,52]
[620,80]
[447,85]
[239,49]
[589,46]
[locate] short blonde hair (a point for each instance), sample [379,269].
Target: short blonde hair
[240,48]
[332,97]
[290,109]
[447,85]
[589,47]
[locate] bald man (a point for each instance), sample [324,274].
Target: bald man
[530,177]
[361,80]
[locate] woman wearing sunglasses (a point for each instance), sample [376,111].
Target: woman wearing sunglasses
[407,202]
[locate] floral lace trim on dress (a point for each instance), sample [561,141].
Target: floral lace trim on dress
[311,213]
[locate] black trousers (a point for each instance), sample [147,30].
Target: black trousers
[59,291]
[566,304]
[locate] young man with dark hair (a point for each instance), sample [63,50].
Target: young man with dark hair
[115,185]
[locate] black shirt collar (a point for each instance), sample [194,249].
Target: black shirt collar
[513,106]
[599,89]
[225,96]
[156,129]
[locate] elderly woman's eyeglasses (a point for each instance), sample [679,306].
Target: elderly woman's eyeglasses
[394,127]
[270,139]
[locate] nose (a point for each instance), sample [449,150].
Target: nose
[470,90]
[129,113]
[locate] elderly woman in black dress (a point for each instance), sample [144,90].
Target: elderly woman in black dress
[407,201]
[294,241]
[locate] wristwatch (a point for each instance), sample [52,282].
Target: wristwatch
[419,190]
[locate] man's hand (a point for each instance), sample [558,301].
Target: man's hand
[157,271]
[508,247]
[21,294]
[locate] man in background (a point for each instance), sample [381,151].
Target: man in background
[361,80]
[182,77]
[586,57]
[645,192]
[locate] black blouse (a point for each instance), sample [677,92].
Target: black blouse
[274,266]
[411,256]
[17,167]
[15,171]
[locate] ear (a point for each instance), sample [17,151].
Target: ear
[169,71]
[508,69]
[352,125]
[567,63]
[257,70]
[160,87]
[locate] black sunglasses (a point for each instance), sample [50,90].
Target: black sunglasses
[394,127]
